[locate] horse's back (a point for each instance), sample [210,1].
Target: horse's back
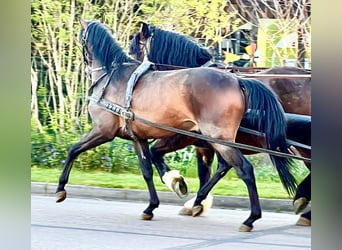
[212,90]
[189,83]
[295,92]
[190,98]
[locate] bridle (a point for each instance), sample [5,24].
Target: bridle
[145,46]
[142,50]
[87,60]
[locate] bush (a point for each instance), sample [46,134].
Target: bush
[50,148]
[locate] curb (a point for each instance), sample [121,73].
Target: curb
[90,192]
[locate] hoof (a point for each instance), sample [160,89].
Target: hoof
[60,196]
[180,186]
[145,216]
[245,228]
[185,211]
[206,205]
[197,210]
[303,222]
[300,204]
[176,183]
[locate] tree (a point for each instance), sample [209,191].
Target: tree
[57,70]
[204,19]
[293,15]
[53,55]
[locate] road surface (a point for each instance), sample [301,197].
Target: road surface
[98,224]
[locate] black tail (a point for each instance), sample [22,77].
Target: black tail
[267,114]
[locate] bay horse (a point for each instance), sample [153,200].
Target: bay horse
[203,100]
[170,50]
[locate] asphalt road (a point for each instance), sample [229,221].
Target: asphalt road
[101,224]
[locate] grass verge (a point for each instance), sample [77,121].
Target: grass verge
[230,185]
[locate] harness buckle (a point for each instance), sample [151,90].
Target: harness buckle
[127,115]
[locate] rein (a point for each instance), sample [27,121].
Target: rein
[257,133]
[120,111]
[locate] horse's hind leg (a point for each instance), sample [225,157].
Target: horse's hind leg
[304,219]
[228,157]
[246,173]
[143,153]
[301,201]
[94,138]
[303,195]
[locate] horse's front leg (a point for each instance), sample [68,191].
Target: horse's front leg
[205,157]
[143,153]
[172,178]
[94,138]
[199,205]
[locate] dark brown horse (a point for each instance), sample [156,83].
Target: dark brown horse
[203,100]
[169,50]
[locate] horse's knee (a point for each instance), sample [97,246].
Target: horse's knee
[154,150]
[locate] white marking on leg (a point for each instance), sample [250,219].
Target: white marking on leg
[168,178]
[206,203]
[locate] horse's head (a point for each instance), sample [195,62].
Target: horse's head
[136,48]
[141,42]
[83,39]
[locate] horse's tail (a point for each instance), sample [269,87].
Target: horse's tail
[266,113]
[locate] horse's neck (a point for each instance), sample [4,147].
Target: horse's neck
[100,79]
[96,72]
[107,86]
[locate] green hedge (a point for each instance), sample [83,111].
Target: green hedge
[50,148]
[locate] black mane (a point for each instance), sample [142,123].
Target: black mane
[105,48]
[134,46]
[176,49]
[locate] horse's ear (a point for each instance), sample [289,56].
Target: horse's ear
[84,24]
[144,29]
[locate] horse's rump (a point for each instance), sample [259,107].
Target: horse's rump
[295,93]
